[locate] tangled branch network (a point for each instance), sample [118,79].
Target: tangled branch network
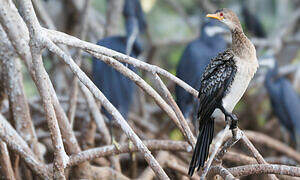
[22,37]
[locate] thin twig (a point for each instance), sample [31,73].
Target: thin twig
[78,58]
[162,157]
[172,164]
[255,153]
[18,34]
[265,169]
[143,85]
[13,140]
[223,172]
[153,145]
[5,163]
[107,173]
[274,144]
[60,156]
[11,68]
[217,145]
[62,38]
[228,144]
[166,93]
[109,107]
[97,116]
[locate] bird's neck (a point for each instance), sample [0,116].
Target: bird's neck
[241,45]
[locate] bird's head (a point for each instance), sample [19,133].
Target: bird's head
[227,17]
[269,62]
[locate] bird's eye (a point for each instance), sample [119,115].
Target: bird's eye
[221,14]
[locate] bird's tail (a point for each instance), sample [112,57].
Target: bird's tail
[206,133]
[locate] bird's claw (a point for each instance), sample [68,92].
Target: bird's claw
[233,122]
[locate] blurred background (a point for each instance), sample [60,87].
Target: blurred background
[272,25]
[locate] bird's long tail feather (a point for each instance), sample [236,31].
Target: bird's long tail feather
[206,133]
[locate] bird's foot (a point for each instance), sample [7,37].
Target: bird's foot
[234,121]
[116,144]
[229,116]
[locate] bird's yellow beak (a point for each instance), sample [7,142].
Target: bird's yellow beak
[215,16]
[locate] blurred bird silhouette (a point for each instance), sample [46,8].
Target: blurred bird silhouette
[195,58]
[252,23]
[134,16]
[118,89]
[285,103]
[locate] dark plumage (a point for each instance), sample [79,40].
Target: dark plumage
[134,15]
[118,89]
[222,85]
[252,23]
[215,83]
[285,103]
[194,59]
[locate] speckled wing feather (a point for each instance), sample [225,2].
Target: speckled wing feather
[215,83]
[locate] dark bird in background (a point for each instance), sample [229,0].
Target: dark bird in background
[118,89]
[134,15]
[223,83]
[252,23]
[195,58]
[135,22]
[285,103]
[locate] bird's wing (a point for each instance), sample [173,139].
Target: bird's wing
[215,82]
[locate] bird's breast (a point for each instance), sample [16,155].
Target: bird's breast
[245,72]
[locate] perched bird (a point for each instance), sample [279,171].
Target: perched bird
[223,83]
[252,23]
[116,87]
[285,103]
[195,58]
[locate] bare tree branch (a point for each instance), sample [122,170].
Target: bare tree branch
[109,107]
[74,88]
[265,169]
[273,144]
[102,128]
[62,38]
[256,154]
[223,172]
[17,144]
[60,156]
[15,90]
[153,145]
[217,145]
[5,163]
[166,93]
[162,157]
